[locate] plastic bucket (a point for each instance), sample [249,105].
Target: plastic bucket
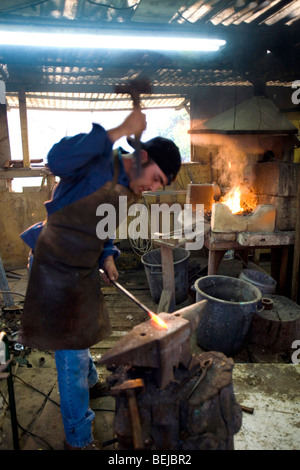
[153,269]
[229,312]
[265,283]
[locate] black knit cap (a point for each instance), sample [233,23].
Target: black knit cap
[163,152]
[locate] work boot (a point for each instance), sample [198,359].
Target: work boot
[98,390]
[95,445]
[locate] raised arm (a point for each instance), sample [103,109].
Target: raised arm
[72,153]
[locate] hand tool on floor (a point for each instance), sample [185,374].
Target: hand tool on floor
[152,315]
[135,88]
[130,387]
[247,409]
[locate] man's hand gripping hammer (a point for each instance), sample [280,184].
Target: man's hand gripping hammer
[135,88]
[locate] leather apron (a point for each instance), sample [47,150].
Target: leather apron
[64,307]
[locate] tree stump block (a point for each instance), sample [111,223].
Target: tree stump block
[276,328]
[172,419]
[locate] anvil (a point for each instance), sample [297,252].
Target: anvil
[150,346]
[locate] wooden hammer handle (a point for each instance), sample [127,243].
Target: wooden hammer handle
[135,420]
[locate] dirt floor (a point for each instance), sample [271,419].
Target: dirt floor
[265,381]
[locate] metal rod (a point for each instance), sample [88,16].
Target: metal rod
[126,292]
[11,394]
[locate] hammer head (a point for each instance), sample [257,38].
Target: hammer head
[134,384]
[135,88]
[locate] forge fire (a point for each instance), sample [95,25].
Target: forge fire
[240,200]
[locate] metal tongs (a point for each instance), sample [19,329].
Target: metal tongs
[202,367]
[205,365]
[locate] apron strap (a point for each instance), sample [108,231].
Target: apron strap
[116,166]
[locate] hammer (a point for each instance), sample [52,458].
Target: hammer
[130,387]
[134,88]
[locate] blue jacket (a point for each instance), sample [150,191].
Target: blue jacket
[84,164]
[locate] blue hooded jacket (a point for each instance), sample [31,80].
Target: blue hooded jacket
[84,164]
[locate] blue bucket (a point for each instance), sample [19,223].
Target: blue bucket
[231,304]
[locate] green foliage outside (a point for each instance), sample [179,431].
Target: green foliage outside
[176,128]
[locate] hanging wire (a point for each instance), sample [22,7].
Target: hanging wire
[111,6]
[33,4]
[235,91]
[55,403]
[142,245]
[10,292]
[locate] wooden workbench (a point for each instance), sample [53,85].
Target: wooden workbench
[217,244]
[279,242]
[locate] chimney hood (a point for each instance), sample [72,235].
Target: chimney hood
[257,115]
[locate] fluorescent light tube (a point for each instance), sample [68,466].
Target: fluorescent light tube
[108,41]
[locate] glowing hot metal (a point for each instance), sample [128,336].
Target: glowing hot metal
[160,349]
[158,320]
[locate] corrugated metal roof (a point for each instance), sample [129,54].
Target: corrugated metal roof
[250,27]
[93,101]
[216,12]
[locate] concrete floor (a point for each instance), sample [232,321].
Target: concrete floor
[270,385]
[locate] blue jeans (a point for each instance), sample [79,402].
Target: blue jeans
[76,373]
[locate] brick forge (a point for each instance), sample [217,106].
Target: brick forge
[275,183]
[271,176]
[262,219]
[243,232]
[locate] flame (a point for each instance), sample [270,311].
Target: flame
[240,199]
[233,200]
[157,320]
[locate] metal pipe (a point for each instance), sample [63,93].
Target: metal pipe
[10,386]
[126,292]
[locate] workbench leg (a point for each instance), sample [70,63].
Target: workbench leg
[168,275]
[244,255]
[256,256]
[214,259]
[283,269]
[279,261]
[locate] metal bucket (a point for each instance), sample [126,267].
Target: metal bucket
[229,312]
[265,283]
